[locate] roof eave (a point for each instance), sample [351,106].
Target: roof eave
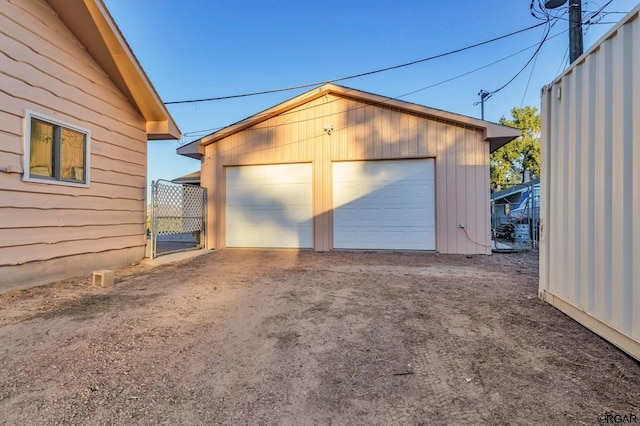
[496,134]
[193,150]
[93,26]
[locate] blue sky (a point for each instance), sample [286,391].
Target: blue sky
[193,49]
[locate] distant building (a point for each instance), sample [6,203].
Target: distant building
[192,178]
[516,204]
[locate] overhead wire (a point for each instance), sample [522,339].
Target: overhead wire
[535,54]
[363,74]
[597,12]
[562,62]
[540,12]
[526,89]
[539,9]
[388,99]
[271,128]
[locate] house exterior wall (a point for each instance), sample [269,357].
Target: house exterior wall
[590,243]
[50,231]
[362,131]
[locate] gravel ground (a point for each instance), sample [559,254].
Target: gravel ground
[287,337]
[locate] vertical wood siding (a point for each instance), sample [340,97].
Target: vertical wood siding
[363,131]
[590,244]
[44,227]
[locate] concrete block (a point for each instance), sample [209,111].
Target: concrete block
[104,278]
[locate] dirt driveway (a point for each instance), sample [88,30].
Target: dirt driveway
[281,337]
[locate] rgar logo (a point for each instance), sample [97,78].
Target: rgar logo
[617,419]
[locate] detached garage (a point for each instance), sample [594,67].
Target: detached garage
[338,168]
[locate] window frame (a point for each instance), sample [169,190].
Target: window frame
[58,126]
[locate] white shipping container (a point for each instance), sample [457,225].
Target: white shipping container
[590,193]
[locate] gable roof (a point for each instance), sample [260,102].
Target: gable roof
[521,187]
[497,135]
[91,23]
[189,178]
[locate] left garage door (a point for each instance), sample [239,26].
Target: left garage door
[269,206]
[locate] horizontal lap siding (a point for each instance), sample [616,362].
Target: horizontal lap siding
[45,69]
[42,272]
[364,131]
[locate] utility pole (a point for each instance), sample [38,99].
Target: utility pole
[575,29]
[483,96]
[575,25]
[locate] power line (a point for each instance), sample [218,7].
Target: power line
[564,59]
[350,110]
[298,110]
[302,86]
[533,58]
[526,89]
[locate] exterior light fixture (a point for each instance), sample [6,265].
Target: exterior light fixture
[328,128]
[553,4]
[575,25]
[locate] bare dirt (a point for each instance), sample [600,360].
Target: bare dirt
[285,337]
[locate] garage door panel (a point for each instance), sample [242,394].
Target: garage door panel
[388,217]
[263,193]
[270,174]
[384,204]
[269,206]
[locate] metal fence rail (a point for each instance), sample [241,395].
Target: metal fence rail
[177,217]
[519,220]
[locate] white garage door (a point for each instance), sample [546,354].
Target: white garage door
[384,204]
[269,206]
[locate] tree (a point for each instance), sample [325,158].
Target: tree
[509,163]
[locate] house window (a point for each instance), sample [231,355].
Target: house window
[55,152]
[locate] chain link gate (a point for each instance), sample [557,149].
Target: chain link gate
[177,217]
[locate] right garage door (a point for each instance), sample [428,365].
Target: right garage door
[384,204]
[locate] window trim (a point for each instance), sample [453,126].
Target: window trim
[26,176]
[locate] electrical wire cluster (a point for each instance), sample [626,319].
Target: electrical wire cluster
[549,18]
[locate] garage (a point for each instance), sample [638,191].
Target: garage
[269,206]
[339,168]
[384,204]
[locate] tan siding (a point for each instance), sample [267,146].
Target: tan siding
[45,69]
[118,165]
[361,132]
[19,199]
[10,162]
[59,54]
[55,86]
[123,179]
[442,242]
[208,181]
[11,124]
[109,190]
[12,256]
[15,108]
[85,114]
[36,273]
[64,218]
[55,235]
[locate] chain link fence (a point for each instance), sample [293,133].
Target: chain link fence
[515,214]
[177,217]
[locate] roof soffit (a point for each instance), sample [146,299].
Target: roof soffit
[93,26]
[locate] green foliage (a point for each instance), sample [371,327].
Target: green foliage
[509,163]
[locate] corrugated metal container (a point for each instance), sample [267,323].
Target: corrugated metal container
[590,244]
